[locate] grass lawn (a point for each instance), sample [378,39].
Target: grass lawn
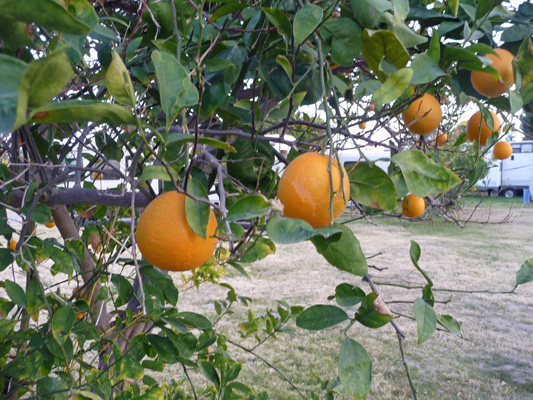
[494,360]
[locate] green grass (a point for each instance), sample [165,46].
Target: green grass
[493,361]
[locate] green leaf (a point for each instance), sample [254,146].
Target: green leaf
[342,250]
[49,14]
[451,324]
[434,48]
[62,262]
[34,296]
[393,87]
[346,40]
[197,212]
[175,88]
[320,317]
[208,141]
[425,70]
[62,323]
[124,287]
[6,258]
[12,72]
[258,249]
[306,21]
[401,10]
[405,35]
[41,214]
[210,373]
[227,9]
[516,101]
[281,110]
[16,294]
[196,320]
[286,65]
[371,316]
[119,82]
[14,34]
[484,7]
[355,369]
[6,325]
[46,78]
[525,274]
[454,6]
[348,295]
[249,207]
[129,367]
[383,44]
[290,230]
[279,20]
[82,111]
[414,252]
[372,187]
[164,348]
[368,12]
[76,248]
[426,320]
[424,176]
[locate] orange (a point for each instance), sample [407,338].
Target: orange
[304,189]
[98,176]
[502,150]
[475,129]
[442,139]
[79,315]
[426,113]
[13,245]
[50,224]
[413,206]
[362,125]
[167,241]
[486,84]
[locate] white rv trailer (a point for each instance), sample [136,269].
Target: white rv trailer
[508,177]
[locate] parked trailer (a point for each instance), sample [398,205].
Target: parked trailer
[509,177]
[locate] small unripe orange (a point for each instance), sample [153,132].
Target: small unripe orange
[13,245]
[362,125]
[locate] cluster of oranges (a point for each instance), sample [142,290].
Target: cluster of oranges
[424,116]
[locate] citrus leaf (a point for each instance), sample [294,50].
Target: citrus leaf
[290,230]
[49,14]
[46,78]
[6,258]
[393,87]
[355,369]
[164,348]
[82,111]
[124,287]
[306,21]
[41,214]
[451,324]
[158,172]
[6,325]
[208,141]
[434,48]
[12,72]
[372,187]
[320,317]
[342,250]
[367,314]
[346,40]
[414,252]
[15,293]
[426,320]
[62,323]
[227,9]
[425,70]
[525,274]
[34,296]
[118,81]
[257,250]
[129,367]
[197,212]
[424,176]
[286,65]
[368,12]
[210,372]
[348,295]
[249,207]
[175,88]
[196,320]
[383,44]
[279,20]
[405,34]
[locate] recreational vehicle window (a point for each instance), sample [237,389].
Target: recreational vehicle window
[516,148]
[527,148]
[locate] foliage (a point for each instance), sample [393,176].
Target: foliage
[181,95]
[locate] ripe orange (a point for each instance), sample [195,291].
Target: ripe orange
[167,241]
[475,132]
[442,139]
[362,125]
[486,84]
[304,189]
[426,112]
[98,176]
[502,150]
[413,206]
[50,224]
[13,244]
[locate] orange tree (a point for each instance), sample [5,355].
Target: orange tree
[153,96]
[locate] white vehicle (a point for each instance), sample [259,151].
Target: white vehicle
[508,177]
[381,157]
